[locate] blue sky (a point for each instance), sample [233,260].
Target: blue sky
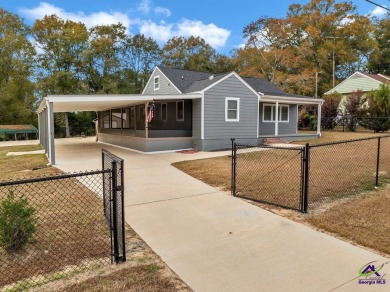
[219,22]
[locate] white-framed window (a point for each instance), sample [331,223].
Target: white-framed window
[269,113]
[164,112]
[232,109]
[180,110]
[156,82]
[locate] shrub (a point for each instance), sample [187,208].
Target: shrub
[17,223]
[330,111]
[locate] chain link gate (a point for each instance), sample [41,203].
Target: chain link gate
[113,203]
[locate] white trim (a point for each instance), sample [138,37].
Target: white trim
[258,117]
[319,120]
[291,100]
[276,118]
[227,76]
[279,106]
[158,83]
[166,111]
[384,76]
[226,109]
[177,111]
[202,118]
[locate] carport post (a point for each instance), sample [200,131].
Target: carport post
[276,118]
[50,136]
[319,120]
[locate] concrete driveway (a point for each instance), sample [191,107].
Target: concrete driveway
[216,242]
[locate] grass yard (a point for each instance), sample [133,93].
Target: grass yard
[336,172]
[72,241]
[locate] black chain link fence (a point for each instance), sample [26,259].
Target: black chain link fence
[71,234]
[269,174]
[114,216]
[309,177]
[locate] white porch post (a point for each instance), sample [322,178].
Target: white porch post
[319,120]
[277,118]
[50,134]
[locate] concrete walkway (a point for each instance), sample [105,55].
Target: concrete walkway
[216,242]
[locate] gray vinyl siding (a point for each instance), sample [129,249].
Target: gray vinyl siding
[166,87]
[215,126]
[197,118]
[268,128]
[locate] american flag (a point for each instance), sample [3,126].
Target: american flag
[151,113]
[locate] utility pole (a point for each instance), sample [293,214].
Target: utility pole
[333,57]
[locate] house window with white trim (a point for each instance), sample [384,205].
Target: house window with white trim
[180,111]
[157,83]
[232,109]
[269,113]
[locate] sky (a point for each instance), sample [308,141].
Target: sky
[219,22]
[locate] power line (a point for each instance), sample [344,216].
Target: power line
[384,7]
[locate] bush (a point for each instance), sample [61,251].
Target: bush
[17,223]
[330,111]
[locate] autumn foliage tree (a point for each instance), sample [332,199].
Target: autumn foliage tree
[289,51]
[330,111]
[353,109]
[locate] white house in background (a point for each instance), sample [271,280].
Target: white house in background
[359,81]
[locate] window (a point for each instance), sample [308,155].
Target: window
[269,113]
[164,114]
[180,111]
[157,83]
[104,120]
[232,109]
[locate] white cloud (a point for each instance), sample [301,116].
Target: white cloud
[378,11]
[97,18]
[160,32]
[161,10]
[144,6]
[212,34]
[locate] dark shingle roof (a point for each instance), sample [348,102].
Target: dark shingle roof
[190,81]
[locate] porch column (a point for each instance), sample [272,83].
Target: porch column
[319,119]
[277,118]
[146,120]
[50,133]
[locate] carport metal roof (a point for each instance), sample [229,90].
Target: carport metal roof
[72,103]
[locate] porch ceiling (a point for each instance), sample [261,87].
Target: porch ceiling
[72,103]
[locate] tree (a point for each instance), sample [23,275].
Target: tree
[141,54]
[191,53]
[60,63]
[102,58]
[289,51]
[330,111]
[353,108]
[379,60]
[377,112]
[17,98]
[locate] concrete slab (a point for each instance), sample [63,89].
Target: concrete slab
[216,242]
[25,153]
[18,143]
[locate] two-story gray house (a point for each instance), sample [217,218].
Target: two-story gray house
[221,107]
[182,109]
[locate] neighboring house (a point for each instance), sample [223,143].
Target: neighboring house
[17,130]
[359,81]
[190,110]
[227,106]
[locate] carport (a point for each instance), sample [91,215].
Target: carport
[76,103]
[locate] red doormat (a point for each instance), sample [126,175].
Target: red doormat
[189,151]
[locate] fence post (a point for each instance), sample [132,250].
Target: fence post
[377,162]
[114,217]
[104,185]
[306,161]
[234,160]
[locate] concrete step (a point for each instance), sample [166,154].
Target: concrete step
[274,140]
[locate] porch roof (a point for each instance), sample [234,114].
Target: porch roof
[72,103]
